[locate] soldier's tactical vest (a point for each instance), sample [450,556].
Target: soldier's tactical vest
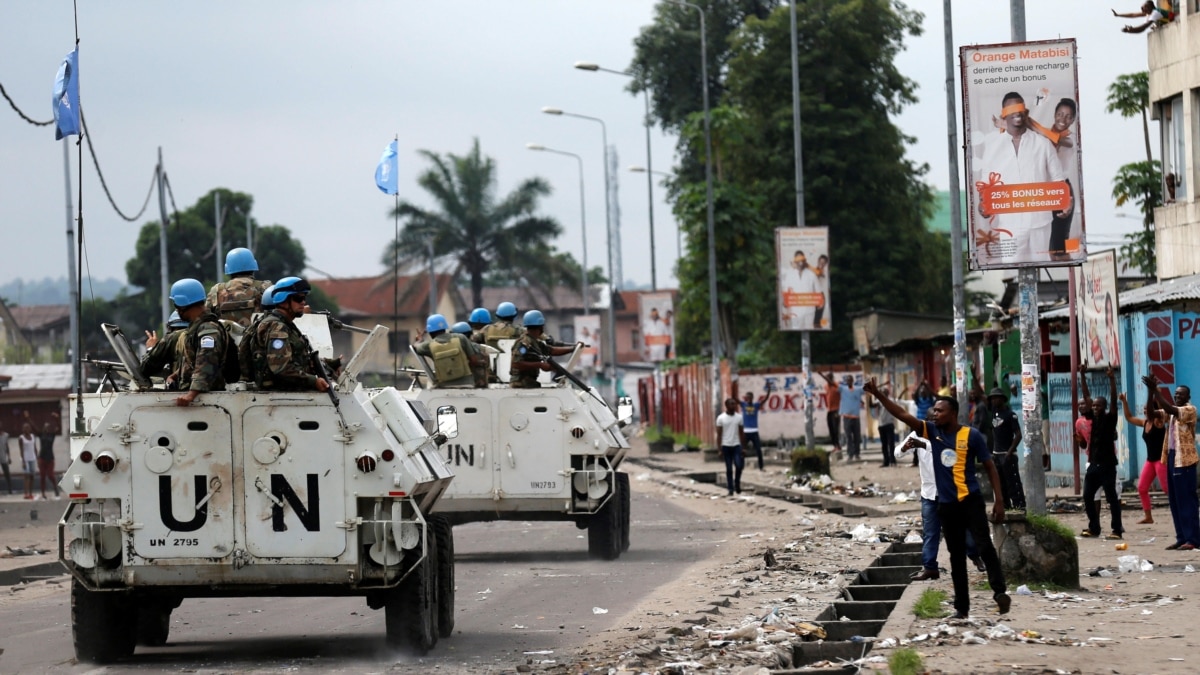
[238,299]
[449,360]
[501,330]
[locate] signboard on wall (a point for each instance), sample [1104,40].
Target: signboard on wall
[1023,154]
[802,271]
[1096,294]
[656,317]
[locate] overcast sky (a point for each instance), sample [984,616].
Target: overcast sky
[294,101]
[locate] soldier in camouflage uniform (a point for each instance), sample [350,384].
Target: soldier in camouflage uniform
[280,354]
[530,354]
[502,328]
[479,320]
[160,357]
[456,360]
[239,298]
[200,353]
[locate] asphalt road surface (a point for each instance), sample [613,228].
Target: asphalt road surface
[526,590]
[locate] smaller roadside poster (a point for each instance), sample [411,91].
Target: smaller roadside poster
[656,315]
[802,269]
[587,331]
[1097,305]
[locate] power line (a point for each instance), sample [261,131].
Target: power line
[87,135]
[25,117]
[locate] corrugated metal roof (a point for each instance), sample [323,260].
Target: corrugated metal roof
[1171,290]
[38,377]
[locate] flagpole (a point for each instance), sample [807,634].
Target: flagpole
[396,288]
[77,261]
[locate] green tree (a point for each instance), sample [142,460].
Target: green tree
[857,178]
[1138,182]
[484,234]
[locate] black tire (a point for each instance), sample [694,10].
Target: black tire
[626,514]
[153,623]
[102,624]
[411,611]
[444,534]
[604,529]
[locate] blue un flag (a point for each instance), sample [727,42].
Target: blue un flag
[385,173]
[66,97]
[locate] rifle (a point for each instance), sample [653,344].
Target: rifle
[338,325]
[318,367]
[563,372]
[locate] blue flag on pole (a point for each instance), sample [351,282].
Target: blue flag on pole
[385,173]
[66,98]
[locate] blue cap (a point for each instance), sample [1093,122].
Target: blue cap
[435,323]
[266,302]
[461,327]
[287,287]
[506,310]
[480,315]
[533,318]
[240,260]
[175,321]
[187,292]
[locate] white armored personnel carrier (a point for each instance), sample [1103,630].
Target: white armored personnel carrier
[252,493]
[550,453]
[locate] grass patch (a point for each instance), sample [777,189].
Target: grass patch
[905,661]
[1050,523]
[653,435]
[929,605]
[983,585]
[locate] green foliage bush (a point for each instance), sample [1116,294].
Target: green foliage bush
[805,461]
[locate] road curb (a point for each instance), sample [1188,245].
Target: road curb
[18,575]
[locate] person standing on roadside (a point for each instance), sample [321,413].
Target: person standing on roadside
[955,449]
[923,400]
[46,457]
[729,430]
[1006,436]
[1102,459]
[1154,434]
[886,422]
[1180,446]
[4,459]
[850,411]
[833,403]
[750,410]
[27,449]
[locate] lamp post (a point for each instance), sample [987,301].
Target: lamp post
[583,288]
[592,67]
[678,232]
[714,325]
[612,317]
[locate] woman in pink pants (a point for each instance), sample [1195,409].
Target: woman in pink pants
[1153,433]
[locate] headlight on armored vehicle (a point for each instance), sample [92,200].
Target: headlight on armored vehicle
[366,461]
[106,461]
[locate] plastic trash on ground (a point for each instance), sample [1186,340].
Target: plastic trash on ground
[863,532]
[1000,632]
[1128,563]
[1023,590]
[913,537]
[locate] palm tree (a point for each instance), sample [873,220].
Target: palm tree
[487,237]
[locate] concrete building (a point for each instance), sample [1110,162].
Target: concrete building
[1174,60]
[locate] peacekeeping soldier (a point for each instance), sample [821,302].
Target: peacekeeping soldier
[531,354]
[245,355]
[161,354]
[279,353]
[457,362]
[479,320]
[502,328]
[239,298]
[201,352]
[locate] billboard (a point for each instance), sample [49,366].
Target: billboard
[1023,154]
[1096,296]
[802,268]
[656,314]
[587,331]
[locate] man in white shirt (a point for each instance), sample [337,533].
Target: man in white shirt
[732,437]
[801,289]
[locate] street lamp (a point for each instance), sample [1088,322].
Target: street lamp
[612,318]
[714,325]
[592,67]
[583,288]
[678,231]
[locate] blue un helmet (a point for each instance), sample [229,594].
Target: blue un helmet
[187,292]
[240,260]
[506,310]
[287,287]
[480,315]
[175,321]
[435,323]
[267,303]
[461,327]
[533,318]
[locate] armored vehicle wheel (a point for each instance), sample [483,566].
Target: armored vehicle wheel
[411,611]
[623,492]
[153,623]
[444,534]
[102,624]
[604,529]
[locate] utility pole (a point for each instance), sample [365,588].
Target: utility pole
[163,276]
[217,221]
[73,280]
[956,238]
[1031,403]
[805,341]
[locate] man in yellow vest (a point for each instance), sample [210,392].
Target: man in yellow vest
[955,449]
[453,354]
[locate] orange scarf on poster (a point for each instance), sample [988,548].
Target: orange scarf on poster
[1050,134]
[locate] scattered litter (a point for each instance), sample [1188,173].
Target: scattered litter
[540,652]
[1024,590]
[1189,568]
[912,537]
[970,638]
[1146,566]
[901,498]
[1030,634]
[1046,617]
[1150,540]
[1146,612]
[599,610]
[864,533]
[518,626]
[1128,563]
[886,643]
[998,632]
